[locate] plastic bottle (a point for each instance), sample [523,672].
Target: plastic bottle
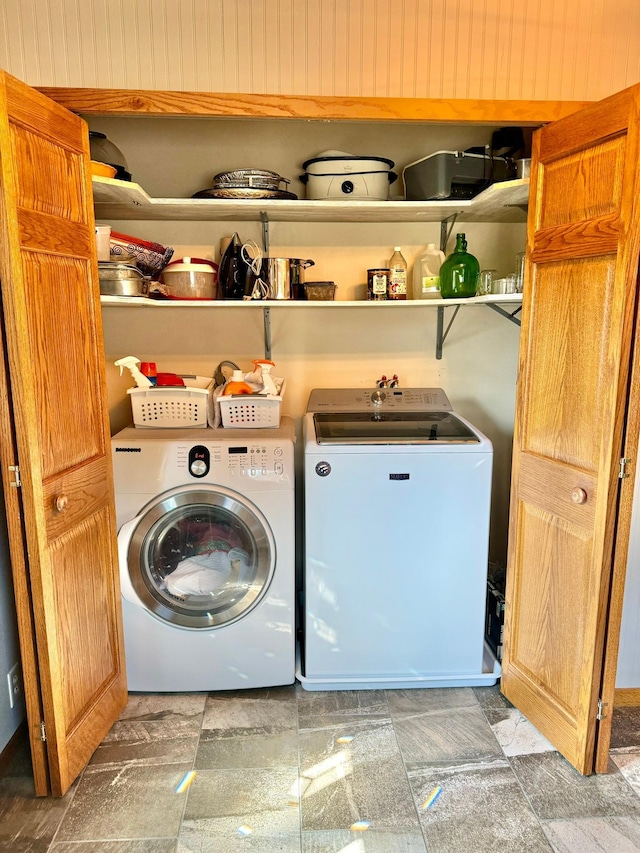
[426,273]
[268,385]
[148,369]
[397,275]
[459,273]
[236,385]
[131,363]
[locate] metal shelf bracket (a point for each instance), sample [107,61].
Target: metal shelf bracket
[445,232]
[510,315]
[441,332]
[266,313]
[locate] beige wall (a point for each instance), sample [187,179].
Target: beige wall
[550,49]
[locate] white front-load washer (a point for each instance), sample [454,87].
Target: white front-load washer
[397,494]
[206,522]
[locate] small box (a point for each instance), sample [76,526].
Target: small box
[452,175]
[494,625]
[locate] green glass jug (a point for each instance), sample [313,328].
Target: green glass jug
[459,272]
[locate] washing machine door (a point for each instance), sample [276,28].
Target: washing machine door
[200,558]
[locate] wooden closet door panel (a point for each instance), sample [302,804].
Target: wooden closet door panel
[51,305]
[567,382]
[578,326]
[63,344]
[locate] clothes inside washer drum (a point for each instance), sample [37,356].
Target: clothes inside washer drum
[208,574]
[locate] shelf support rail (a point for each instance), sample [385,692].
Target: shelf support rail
[266,313]
[510,315]
[265,231]
[440,335]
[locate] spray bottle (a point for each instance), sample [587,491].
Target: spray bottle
[268,385]
[131,362]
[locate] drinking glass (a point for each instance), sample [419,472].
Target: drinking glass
[520,271]
[485,282]
[507,284]
[511,283]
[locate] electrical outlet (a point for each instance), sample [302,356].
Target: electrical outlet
[14,683]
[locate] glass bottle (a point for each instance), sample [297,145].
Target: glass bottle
[459,272]
[397,275]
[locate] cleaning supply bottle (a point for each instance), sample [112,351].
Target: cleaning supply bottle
[397,275]
[459,273]
[131,363]
[268,385]
[426,273]
[148,369]
[236,385]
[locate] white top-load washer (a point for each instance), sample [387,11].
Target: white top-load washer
[206,537]
[397,492]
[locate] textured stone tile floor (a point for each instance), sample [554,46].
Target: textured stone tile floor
[332,772]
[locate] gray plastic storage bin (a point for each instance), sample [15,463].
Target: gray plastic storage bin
[451,174]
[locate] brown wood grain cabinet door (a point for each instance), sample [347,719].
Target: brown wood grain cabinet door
[54,392]
[578,324]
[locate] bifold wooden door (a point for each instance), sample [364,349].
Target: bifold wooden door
[578,327]
[55,449]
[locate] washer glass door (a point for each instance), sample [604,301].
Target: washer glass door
[201,559]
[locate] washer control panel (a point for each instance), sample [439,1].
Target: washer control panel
[255,459]
[376,399]
[151,461]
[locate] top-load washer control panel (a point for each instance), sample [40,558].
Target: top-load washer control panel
[378,399]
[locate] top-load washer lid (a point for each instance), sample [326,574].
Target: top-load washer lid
[392,428]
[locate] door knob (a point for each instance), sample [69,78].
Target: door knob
[579,496]
[61,503]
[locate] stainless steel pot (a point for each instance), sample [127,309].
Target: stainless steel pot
[282,276]
[122,280]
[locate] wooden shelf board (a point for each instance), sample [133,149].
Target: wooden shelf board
[145,102]
[114,199]
[143,302]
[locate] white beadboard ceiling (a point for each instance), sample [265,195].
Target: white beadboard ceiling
[498,49]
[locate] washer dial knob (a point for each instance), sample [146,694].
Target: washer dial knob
[199,461]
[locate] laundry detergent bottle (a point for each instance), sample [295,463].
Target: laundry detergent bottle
[236,385]
[426,273]
[459,273]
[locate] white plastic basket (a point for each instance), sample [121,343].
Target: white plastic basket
[170,406]
[250,411]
